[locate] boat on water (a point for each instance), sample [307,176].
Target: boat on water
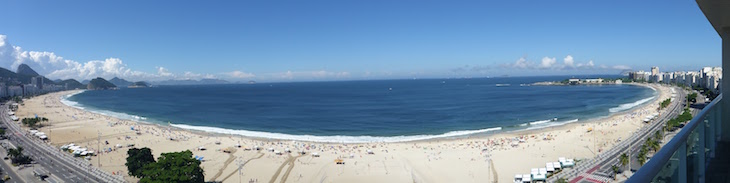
[500,85]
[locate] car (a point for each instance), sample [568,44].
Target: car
[6,158]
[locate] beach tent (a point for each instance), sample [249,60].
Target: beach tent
[568,163]
[257,148]
[370,151]
[277,152]
[518,178]
[315,154]
[201,148]
[118,146]
[534,171]
[271,149]
[238,145]
[302,152]
[539,177]
[556,165]
[526,178]
[287,150]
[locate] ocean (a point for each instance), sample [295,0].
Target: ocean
[366,111]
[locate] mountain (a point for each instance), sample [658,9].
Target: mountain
[120,82]
[100,84]
[13,78]
[85,82]
[192,82]
[72,84]
[26,70]
[58,81]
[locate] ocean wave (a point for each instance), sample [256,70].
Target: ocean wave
[540,122]
[546,125]
[627,106]
[65,101]
[333,138]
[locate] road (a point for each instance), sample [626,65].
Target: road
[598,169]
[61,165]
[7,170]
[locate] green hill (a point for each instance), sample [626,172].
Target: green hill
[100,84]
[72,84]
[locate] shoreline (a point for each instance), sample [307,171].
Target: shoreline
[467,158]
[451,135]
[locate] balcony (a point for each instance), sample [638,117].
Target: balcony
[695,154]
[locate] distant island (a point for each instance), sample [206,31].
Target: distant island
[139,84]
[100,84]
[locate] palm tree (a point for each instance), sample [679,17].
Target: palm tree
[658,135]
[624,159]
[655,146]
[15,152]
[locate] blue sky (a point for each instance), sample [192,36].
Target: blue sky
[344,40]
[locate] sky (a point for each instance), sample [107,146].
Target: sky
[352,40]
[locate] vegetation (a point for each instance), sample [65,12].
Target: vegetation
[72,84]
[692,98]
[665,103]
[615,169]
[137,159]
[624,159]
[100,84]
[676,122]
[33,122]
[169,167]
[562,180]
[17,157]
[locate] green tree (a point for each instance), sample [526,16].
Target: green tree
[17,157]
[173,167]
[653,145]
[615,169]
[15,152]
[624,159]
[562,180]
[137,159]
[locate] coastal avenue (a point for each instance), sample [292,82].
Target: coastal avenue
[599,167]
[60,165]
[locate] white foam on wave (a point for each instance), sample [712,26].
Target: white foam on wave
[333,138]
[546,125]
[540,122]
[627,106]
[65,101]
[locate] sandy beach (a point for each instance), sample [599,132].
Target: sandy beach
[481,158]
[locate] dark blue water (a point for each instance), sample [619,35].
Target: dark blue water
[373,109]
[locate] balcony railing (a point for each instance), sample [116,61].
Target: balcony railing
[684,158]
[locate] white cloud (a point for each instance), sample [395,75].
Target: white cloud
[240,75]
[522,63]
[547,62]
[568,61]
[304,75]
[56,67]
[621,67]
[164,72]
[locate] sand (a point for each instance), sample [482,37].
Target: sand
[479,158]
